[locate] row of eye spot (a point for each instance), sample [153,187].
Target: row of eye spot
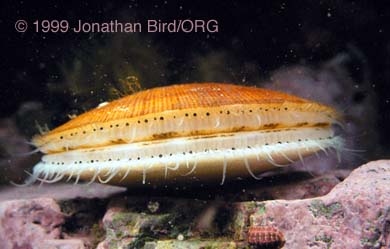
[184,153]
[186,115]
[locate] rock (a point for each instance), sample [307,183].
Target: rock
[79,207]
[27,223]
[299,189]
[193,244]
[60,191]
[103,245]
[132,222]
[186,244]
[63,244]
[355,214]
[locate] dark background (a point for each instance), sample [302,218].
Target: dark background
[262,32]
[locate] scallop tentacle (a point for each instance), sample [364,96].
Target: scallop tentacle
[165,170]
[248,168]
[224,170]
[217,122]
[126,174]
[97,172]
[45,177]
[192,169]
[27,153]
[286,157]
[258,120]
[77,177]
[29,181]
[71,174]
[112,175]
[144,175]
[176,167]
[271,160]
[57,178]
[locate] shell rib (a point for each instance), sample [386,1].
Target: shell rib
[200,132]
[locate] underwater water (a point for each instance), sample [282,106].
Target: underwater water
[61,60]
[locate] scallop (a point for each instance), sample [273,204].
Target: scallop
[187,133]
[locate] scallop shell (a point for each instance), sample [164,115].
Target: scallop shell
[188,132]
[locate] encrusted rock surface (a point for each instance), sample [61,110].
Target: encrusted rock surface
[63,244]
[354,214]
[132,222]
[193,244]
[62,216]
[28,223]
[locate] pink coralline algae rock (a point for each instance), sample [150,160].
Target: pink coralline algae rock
[26,224]
[355,214]
[63,244]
